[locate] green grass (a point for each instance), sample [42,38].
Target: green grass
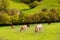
[49,4]
[49,32]
[17,4]
[44,4]
[14,4]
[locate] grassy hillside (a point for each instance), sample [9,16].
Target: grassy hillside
[16,4]
[49,32]
[44,4]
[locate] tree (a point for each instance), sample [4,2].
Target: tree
[30,1]
[27,1]
[4,4]
[34,4]
[53,15]
[5,19]
[44,15]
[15,19]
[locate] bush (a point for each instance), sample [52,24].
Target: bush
[53,15]
[5,19]
[4,4]
[30,1]
[34,4]
[14,14]
[44,10]
[15,17]
[31,18]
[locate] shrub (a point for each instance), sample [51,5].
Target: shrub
[5,19]
[53,15]
[34,4]
[4,4]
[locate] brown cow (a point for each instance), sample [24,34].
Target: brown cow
[24,27]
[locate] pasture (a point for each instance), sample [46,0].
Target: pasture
[16,4]
[49,32]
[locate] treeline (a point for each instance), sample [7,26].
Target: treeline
[44,15]
[9,16]
[13,16]
[31,3]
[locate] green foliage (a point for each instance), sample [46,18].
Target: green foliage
[14,14]
[44,15]
[15,19]
[31,18]
[38,13]
[11,16]
[30,1]
[5,19]
[4,4]
[34,4]
[53,15]
[27,1]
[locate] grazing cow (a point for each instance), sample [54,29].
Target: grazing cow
[38,28]
[12,26]
[24,27]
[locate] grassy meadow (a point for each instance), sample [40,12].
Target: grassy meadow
[16,4]
[49,32]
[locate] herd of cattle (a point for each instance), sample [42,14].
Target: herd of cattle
[24,27]
[38,27]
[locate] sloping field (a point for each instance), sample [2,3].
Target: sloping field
[49,32]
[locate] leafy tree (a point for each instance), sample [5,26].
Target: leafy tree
[15,19]
[59,14]
[53,15]
[27,1]
[4,4]
[44,15]
[5,19]
[14,15]
[34,4]
[30,1]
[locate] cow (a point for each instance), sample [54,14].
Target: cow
[12,26]
[24,27]
[38,28]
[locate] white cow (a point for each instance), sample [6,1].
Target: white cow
[38,28]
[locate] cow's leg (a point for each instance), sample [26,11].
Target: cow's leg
[21,29]
[36,29]
[40,29]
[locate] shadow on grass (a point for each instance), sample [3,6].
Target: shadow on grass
[17,1]
[3,38]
